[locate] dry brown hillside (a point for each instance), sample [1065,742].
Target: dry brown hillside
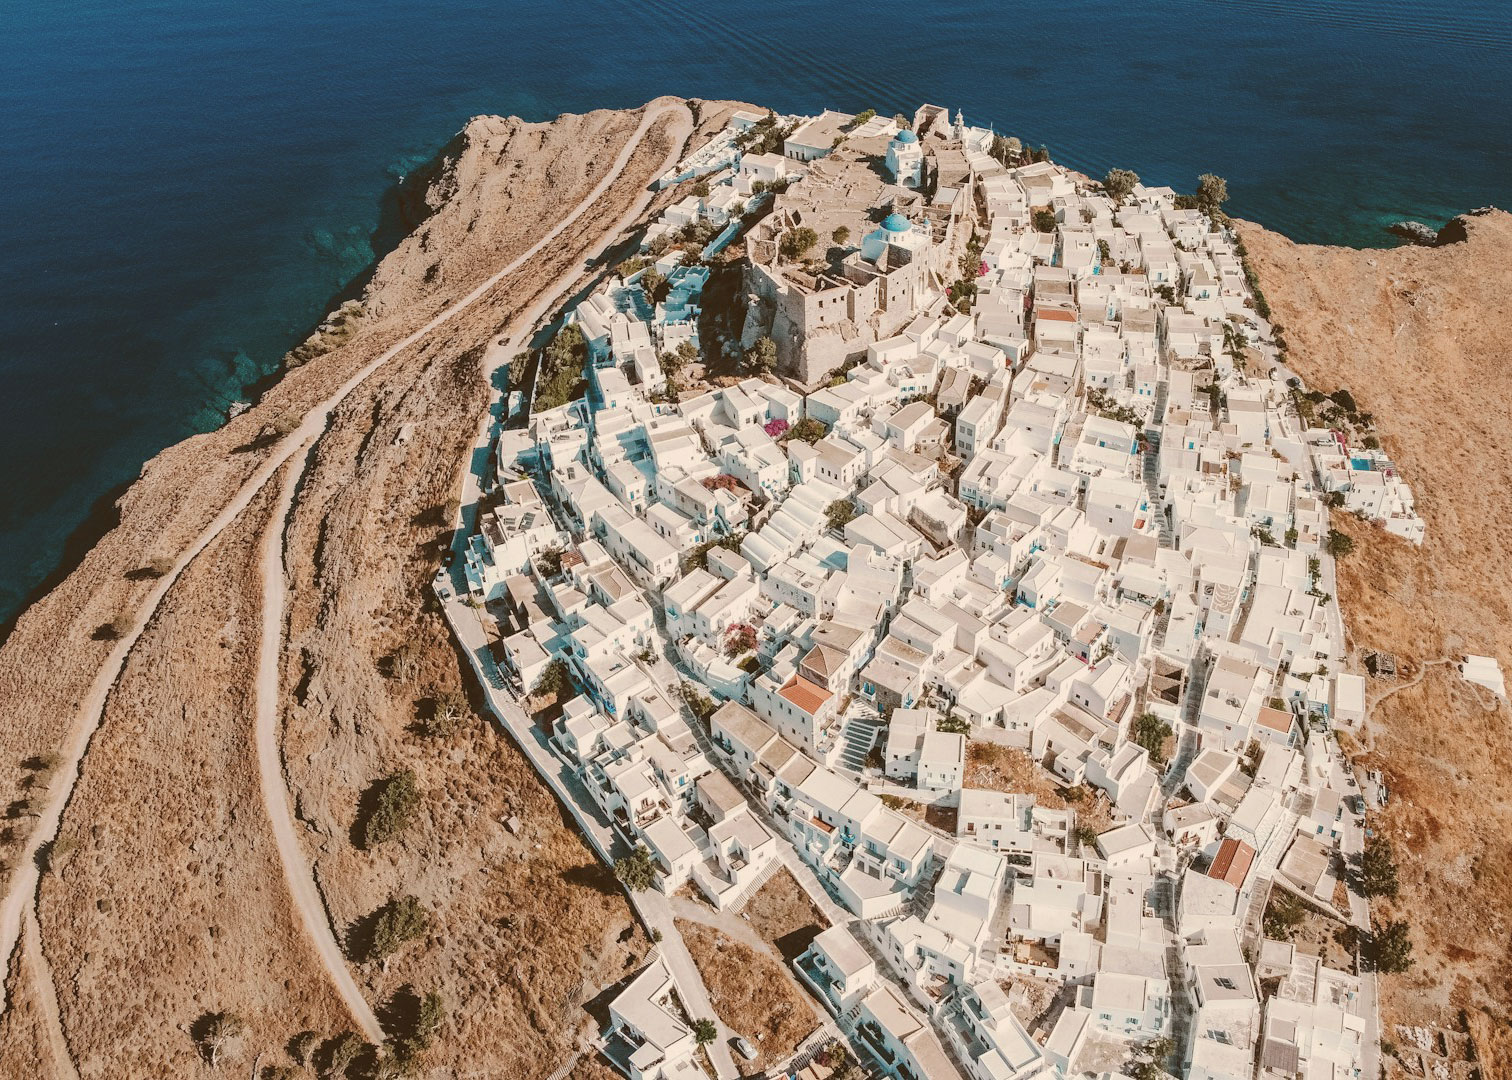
[165,899]
[1423,339]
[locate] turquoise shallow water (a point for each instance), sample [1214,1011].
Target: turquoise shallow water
[192,181]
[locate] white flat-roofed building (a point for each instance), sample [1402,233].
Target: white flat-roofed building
[1010,822]
[647,1037]
[838,969]
[988,1038]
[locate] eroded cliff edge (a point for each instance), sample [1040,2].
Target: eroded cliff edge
[163,900]
[1423,339]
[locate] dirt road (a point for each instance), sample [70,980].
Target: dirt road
[305,893]
[22,887]
[47,1000]
[275,792]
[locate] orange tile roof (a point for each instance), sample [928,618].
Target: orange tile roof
[823,659]
[808,696]
[1232,863]
[1275,719]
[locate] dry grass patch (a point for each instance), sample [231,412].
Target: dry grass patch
[1419,337]
[782,913]
[594,1067]
[1003,768]
[751,992]
[931,814]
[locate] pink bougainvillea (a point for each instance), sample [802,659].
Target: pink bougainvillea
[741,638]
[775,428]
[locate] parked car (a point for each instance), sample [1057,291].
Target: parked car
[744,1048]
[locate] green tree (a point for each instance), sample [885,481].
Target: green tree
[1344,400]
[808,430]
[447,715]
[341,1053]
[954,725]
[1086,835]
[1283,915]
[392,1066]
[698,557]
[701,704]
[394,805]
[219,1035]
[840,513]
[1159,1049]
[1378,868]
[701,189]
[797,242]
[1392,948]
[412,1020]
[673,362]
[1119,184]
[863,117]
[1151,732]
[549,562]
[651,282]
[704,1031]
[561,371]
[302,1047]
[762,356]
[1044,220]
[637,870]
[401,920]
[555,682]
[1339,544]
[840,235]
[1006,149]
[1212,193]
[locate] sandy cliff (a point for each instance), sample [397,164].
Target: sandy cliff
[1423,339]
[164,899]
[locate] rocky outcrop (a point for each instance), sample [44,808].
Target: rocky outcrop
[1419,337]
[1414,232]
[1455,230]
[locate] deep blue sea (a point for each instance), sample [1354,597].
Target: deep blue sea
[192,181]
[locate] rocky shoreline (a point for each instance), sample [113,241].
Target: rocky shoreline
[1454,231]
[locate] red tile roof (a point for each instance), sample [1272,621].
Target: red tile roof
[1232,863]
[806,695]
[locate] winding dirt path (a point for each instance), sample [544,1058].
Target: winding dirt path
[270,772]
[1408,685]
[47,999]
[22,887]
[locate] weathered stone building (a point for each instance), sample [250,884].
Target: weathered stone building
[883,254]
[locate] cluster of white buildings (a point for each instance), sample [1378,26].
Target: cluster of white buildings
[989,543]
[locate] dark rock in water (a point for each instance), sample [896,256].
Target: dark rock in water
[1414,232]
[1453,232]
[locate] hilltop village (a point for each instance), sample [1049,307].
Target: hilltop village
[972,565]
